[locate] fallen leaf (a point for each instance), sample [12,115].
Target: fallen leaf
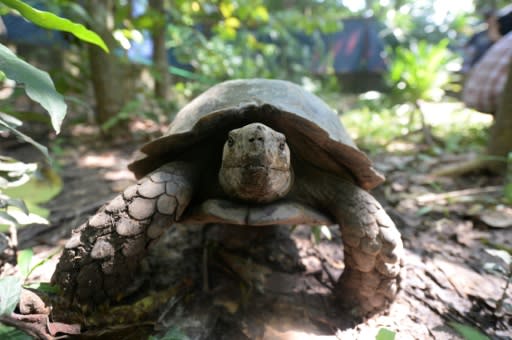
[63,328]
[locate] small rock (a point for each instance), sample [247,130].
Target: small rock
[500,217]
[312,264]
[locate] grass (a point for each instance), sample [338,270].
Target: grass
[378,129]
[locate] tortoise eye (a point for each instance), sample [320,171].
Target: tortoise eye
[231,141]
[281,146]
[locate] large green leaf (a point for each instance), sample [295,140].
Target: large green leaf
[12,333]
[51,21]
[10,290]
[44,184]
[38,84]
[24,258]
[26,138]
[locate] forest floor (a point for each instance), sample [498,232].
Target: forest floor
[451,229]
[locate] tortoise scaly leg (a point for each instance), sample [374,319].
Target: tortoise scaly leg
[100,261]
[372,249]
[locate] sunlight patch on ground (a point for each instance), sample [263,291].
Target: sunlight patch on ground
[453,113]
[275,334]
[115,166]
[105,160]
[400,147]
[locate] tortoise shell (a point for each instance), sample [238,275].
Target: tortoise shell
[313,131]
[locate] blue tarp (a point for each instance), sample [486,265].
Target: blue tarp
[357,47]
[21,31]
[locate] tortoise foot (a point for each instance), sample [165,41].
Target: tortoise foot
[100,261]
[373,260]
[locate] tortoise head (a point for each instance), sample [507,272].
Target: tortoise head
[256,164]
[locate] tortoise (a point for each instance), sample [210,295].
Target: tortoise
[245,152]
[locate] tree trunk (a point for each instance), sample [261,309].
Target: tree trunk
[160,60]
[107,70]
[500,140]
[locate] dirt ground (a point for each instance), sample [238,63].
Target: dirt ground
[222,282]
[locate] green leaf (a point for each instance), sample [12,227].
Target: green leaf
[317,234]
[18,203]
[12,333]
[10,290]
[12,121]
[16,168]
[467,332]
[38,85]
[45,287]
[26,138]
[51,21]
[261,13]
[227,9]
[385,334]
[44,184]
[423,210]
[24,258]
[7,217]
[39,264]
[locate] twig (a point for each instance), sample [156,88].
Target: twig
[428,198]
[499,304]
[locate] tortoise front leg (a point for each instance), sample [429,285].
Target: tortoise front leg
[100,261]
[372,249]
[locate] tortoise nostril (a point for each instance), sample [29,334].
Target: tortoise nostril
[259,139]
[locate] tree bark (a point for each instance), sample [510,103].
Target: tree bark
[160,60]
[500,139]
[107,71]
